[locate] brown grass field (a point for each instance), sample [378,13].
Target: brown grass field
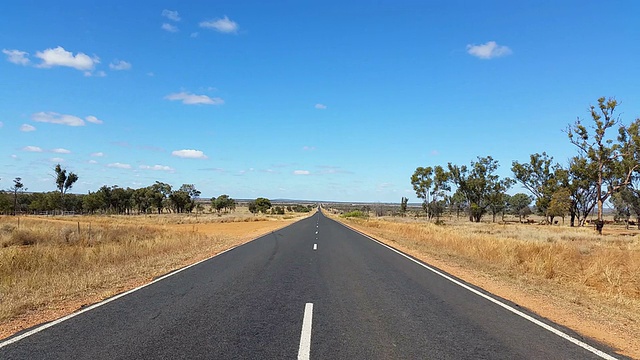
[572,276]
[52,266]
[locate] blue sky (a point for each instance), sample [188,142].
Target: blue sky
[330,100]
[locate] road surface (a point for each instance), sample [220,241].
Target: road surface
[315,289]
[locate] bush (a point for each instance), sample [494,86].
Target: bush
[354,214]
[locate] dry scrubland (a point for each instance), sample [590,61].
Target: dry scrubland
[51,266]
[587,282]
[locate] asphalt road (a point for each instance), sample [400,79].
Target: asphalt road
[357,299]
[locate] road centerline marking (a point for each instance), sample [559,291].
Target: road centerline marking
[315,246]
[305,336]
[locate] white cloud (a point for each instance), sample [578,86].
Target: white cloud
[489,50]
[56,160]
[168,27]
[61,151]
[119,166]
[193,99]
[92,162]
[16,56]
[100,73]
[189,154]
[157,168]
[61,57]
[308,148]
[97,154]
[27,128]
[94,120]
[224,25]
[301,172]
[120,65]
[171,15]
[32,149]
[14,156]
[1,124]
[320,106]
[194,34]
[55,118]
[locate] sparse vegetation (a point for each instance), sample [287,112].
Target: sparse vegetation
[572,265]
[48,264]
[355,214]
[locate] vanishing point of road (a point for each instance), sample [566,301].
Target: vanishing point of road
[313,290]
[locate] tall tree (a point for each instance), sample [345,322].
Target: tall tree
[519,204]
[159,192]
[560,204]
[18,187]
[582,181]
[64,182]
[615,159]
[479,184]
[541,177]
[403,206]
[422,181]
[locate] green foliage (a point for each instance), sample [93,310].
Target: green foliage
[614,159]
[403,205]
[354,214]
[541,177]
[5,202]
[560,203]
[519,205]
[260,205]
[223,202]
[301,208]
[480,185]
[64,181]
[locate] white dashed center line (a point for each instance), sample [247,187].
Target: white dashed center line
[305,336]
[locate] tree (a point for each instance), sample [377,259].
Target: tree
[403,205]
[622,207]
[18,187]
[5,203]
[541,177]
[223,202]
[582,182]
[458,202]
[159,192]
[259,205]
[615,160]
[64,182]
[560,204]
[422,181]
[518,203]
[479,184]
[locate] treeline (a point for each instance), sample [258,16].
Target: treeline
[606,168]
[157,198]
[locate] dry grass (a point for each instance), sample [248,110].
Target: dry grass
[46,263]
[590,275]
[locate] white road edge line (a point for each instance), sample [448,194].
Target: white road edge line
[104,302]
[583,345]
[305,336]
[315,246]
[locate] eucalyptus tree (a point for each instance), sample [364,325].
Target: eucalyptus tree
[64,182]
[422,181]
[16,189]
[519,205]
[615,159]
[541,177]
[479,184]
